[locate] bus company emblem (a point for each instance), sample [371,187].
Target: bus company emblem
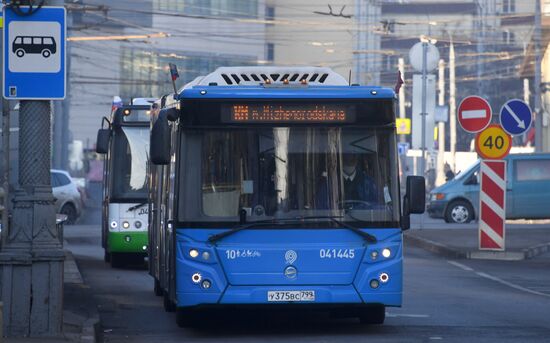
[290,272]
[291,256]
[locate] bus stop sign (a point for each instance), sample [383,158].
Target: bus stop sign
[34,54]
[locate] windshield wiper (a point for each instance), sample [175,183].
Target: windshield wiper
[285,221]
[130,209]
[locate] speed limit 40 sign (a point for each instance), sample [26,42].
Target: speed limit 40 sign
[493,143]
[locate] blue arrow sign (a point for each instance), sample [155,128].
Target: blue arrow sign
[34,54]
[515,117]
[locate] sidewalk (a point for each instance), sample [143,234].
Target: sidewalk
[80,315]
[521,243]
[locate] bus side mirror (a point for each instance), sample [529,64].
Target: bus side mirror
[159,148]
[102,144]
[414,201]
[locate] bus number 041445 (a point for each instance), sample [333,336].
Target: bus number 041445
[337,253]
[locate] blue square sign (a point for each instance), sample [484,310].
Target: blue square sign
[34,54]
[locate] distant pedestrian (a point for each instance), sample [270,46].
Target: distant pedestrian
[449,175]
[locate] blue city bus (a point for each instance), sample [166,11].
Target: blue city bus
[278,186]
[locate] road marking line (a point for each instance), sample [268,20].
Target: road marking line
[436,337]
[473,114]
[509,284]
[499,280]
[461,266]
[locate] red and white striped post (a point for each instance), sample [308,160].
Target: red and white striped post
[492,205]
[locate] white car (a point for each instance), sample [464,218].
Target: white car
[66,194]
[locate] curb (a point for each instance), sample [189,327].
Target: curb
[449,252]
[89,332]
[435,247]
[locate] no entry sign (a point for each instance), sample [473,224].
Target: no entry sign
[474,114]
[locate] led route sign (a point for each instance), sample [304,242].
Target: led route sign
[290,113]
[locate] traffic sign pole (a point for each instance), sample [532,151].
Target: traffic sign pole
[423,114]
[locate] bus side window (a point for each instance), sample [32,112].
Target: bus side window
[18,40]
[37,41]
[27,40]
[48,40]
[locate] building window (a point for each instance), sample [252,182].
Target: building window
[231,8]
[270,14]
[508,6]
[270,52]
[508,37]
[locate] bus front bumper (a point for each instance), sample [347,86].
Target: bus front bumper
[128,242]
[258,295]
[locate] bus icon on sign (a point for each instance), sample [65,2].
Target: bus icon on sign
[43,45]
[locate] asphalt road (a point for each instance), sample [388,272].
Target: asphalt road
[452,301]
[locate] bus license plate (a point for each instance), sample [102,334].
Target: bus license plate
[286,296]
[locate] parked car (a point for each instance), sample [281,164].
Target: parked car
[527,191]
[66,194]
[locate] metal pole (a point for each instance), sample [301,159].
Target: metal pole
[423,114]
[6,163]
[32,255]
[6,156]
[441,127]
[402,114]
[452,104]
[538,61]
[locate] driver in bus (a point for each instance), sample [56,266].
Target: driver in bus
[359,191]
[358,186]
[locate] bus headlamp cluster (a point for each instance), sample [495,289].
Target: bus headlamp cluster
[382,278]
[194,253]
[386,253]
[197,278]
[126,224]
[137,224]
[114,224]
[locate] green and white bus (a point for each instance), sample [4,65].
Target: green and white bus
[124,140]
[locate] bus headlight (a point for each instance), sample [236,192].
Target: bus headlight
[114,224]
[206,284]
[125,224]
[206,255]
[196,278]
[374,254]
[384,277]
[193,253]
[137,224]
[386,252]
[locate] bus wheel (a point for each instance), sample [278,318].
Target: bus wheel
[185,318]
[106,256]
[375,314]
[169,305]
[158,291]
[46,53]
[118,260]
[20,53]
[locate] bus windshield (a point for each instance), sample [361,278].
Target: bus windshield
[129,163]
[289,172]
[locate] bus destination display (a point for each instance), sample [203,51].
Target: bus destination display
[289,113]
